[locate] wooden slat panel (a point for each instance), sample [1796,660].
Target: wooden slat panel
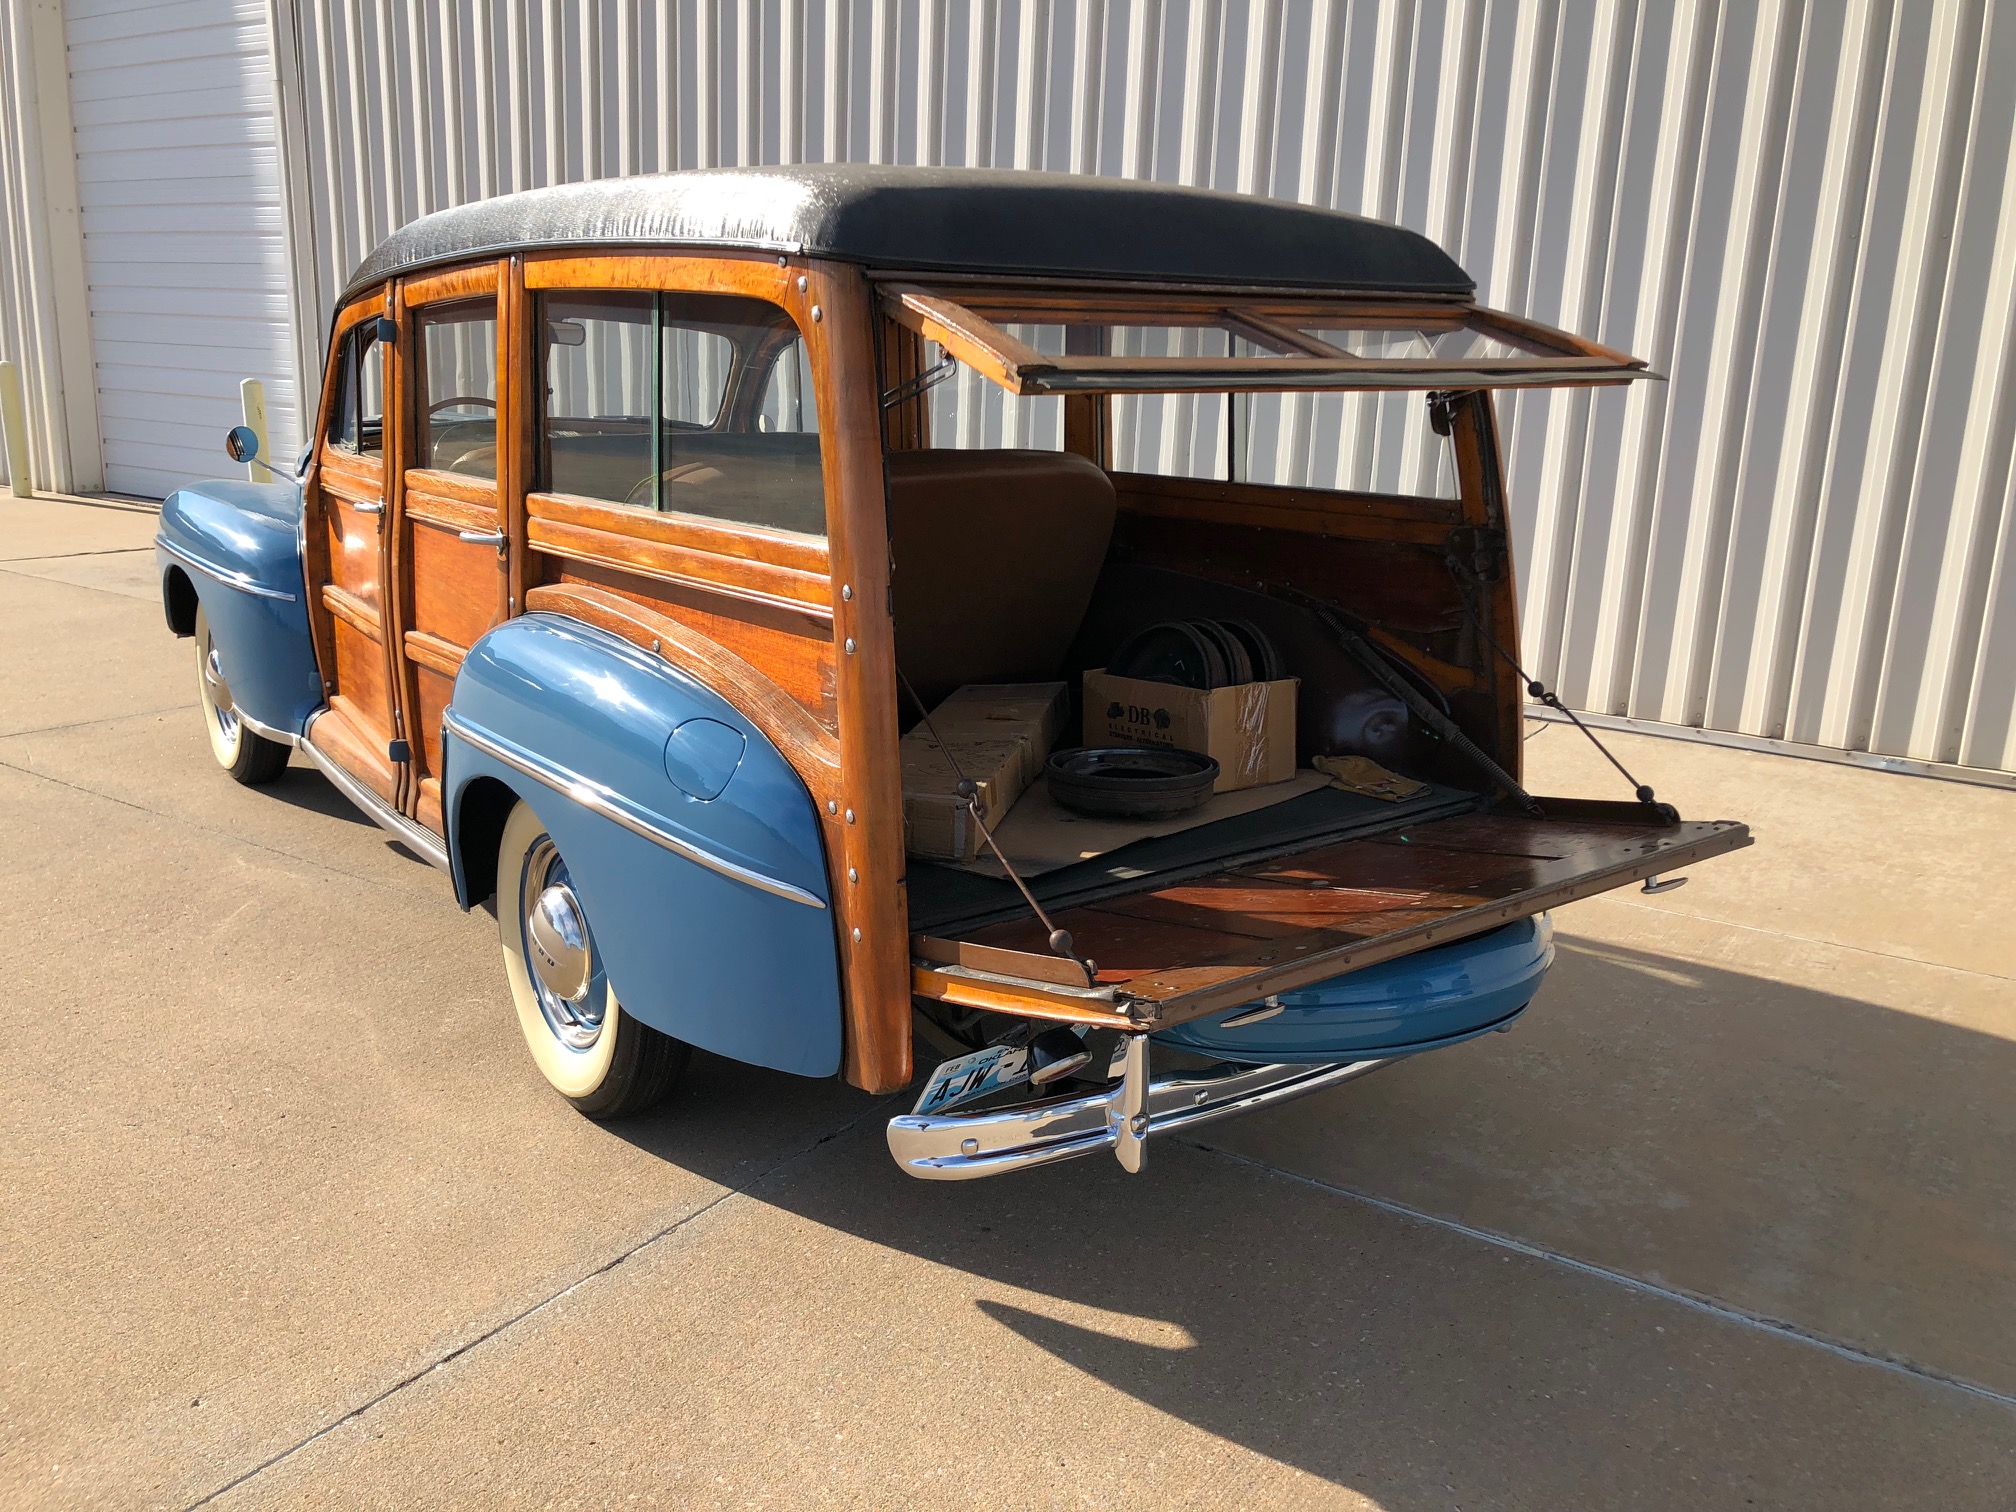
[355,562]
[722,538]
[789,648]
[1309,511]
[435,485]
[731,577]
[457,584]
[432,687]
[808,745]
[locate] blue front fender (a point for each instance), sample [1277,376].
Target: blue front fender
[239,546]
[692,843]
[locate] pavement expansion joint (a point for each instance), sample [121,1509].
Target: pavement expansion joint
[1779,934]
[448,1357]
[1728,1312]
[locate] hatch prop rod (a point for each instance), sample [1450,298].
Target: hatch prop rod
[1381,671]
[1465,577]
[1059,939]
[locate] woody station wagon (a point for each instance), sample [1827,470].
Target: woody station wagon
[1049,621]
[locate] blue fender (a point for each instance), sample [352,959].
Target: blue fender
[238,545]
[692,843]
[1436,997]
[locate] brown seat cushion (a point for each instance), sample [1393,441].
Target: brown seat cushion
[996,553]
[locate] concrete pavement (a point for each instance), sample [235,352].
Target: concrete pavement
[291,1221]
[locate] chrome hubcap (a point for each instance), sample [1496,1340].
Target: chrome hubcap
[566,976]
[216,691]
[559,943]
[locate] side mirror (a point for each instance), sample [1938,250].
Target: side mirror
[241,443]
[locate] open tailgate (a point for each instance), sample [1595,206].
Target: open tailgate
[1179,951]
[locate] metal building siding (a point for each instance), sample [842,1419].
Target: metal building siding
[179,189]
[1803,213]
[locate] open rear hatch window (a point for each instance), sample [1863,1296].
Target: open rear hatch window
[1178,947]
[1047,343]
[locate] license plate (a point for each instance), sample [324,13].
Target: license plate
[974,1076]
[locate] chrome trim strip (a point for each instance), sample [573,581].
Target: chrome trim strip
[598,799]
[935,1147]
[422,842]
[239,580]
[282,737]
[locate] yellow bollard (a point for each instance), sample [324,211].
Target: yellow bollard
[14,431]
[252,399]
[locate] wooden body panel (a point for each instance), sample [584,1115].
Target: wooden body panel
[348,567]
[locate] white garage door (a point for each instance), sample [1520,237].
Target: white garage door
[179,183]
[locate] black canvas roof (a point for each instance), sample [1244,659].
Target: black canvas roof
[969,220]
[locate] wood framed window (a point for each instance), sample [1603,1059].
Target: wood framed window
[1051,342]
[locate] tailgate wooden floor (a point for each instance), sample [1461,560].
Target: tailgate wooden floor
[1176,952]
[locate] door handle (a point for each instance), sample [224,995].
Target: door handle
[484,538]
[370,509]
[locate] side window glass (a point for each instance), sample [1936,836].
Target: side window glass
[458,407]
[693,404]
[596,435]
[358,426]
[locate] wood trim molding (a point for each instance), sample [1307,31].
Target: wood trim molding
[353,611]
[723,538]
[434,653]
[458,283]
[806,744]
[732,577]
[426,507]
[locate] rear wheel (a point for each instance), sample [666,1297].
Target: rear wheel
[249,758]
[587,1047]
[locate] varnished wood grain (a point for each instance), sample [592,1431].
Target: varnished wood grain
[457,283]
[348,736]
[755,582]
[454,584]
[1306,511]
[792,650]
[434,653]
[1183,950]
[809,746]
[877,1022]
[705,538]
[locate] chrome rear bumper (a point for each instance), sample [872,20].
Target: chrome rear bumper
[955,1147]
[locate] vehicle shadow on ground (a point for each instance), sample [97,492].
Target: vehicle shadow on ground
[304,787]
[1424,1368]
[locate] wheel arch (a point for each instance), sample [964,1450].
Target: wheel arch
[710,904]
[480,817]
[178,600]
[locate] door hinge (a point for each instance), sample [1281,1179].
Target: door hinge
[1480,549]
[399,752]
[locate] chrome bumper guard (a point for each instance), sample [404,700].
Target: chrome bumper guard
[955,1147]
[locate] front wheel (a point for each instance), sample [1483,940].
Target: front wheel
[591,1052]
[249,758]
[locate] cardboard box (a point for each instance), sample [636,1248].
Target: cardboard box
[1005,711]
[1249,727]
[937,823]
[1000,734]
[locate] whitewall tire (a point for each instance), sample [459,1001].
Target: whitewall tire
[589,1050]
[250,758]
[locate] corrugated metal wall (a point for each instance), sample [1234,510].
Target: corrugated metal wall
[1805,214]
